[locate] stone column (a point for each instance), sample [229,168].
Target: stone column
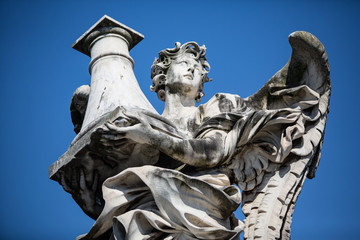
[113,82]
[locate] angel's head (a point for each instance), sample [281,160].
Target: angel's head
[184,65]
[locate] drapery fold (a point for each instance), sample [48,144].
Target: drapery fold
[156,203]
[151,202]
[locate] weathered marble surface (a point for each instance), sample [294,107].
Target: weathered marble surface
[173,176]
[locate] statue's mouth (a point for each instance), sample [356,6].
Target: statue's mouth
[189,76]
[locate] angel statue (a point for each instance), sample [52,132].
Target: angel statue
[194,160]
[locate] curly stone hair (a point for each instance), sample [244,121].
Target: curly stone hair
[166,57]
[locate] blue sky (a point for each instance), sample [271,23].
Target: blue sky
[247,44]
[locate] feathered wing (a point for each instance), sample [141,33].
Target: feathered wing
[78,106]
[278,141]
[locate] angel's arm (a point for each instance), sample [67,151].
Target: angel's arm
[200,152]
[207,151]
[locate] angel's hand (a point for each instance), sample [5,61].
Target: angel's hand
[84,193]
[141,132]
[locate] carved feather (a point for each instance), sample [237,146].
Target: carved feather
[272,166]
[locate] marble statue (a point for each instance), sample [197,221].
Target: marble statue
[142,175]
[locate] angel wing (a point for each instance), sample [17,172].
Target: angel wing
[78,106]
[280,139]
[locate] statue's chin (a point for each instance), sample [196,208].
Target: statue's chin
[185,88]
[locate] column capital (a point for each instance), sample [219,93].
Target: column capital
[106,25]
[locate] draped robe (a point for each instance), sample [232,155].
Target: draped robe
[155,202]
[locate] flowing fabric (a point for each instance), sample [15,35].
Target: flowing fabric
[152,202]
[155,203]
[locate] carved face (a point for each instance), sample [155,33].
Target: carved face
[184,75]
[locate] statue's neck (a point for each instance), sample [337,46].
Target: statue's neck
[178,106]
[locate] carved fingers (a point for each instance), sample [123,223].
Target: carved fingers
[78,185]
[84,191]
[116,136]
[64,184]
[82,181]
[95,181]
[137,118]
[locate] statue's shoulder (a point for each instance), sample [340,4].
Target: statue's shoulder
[221,103]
